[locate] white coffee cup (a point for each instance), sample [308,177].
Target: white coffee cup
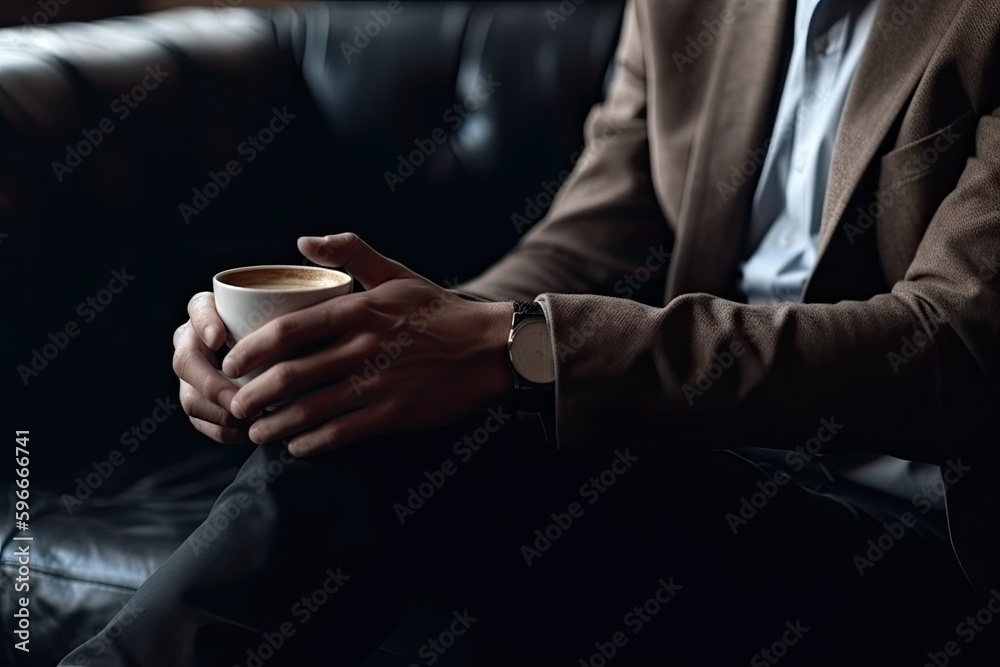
[249,297]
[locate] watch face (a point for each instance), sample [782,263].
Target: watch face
[531,352]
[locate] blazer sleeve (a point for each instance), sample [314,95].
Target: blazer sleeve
[605,218]
[910,372]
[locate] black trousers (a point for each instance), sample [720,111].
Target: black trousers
[480,545]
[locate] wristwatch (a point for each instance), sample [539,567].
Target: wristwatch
[529,356]
[529,350]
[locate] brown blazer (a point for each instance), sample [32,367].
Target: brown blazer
[897,338]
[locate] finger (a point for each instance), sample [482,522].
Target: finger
[347,251]
[206,321]
[193,365]
[180,332]
[304,412]
[283,336]
[196,405]
[222,434]
[294,376]
[339,431]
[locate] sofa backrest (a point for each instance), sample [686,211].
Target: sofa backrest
[173,145]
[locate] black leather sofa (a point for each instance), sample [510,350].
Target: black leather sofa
[115,207]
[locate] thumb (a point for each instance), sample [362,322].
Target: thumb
[348,252]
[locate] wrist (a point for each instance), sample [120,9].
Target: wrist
[495,329]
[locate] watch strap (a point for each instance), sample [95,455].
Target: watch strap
[534,403]
[525,310]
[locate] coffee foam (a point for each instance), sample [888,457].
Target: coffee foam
[284,278]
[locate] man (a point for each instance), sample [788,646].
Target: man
[769,435]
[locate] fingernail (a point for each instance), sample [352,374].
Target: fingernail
[237,410]
[229,367]
[255,435]
[296,450]
[212,336]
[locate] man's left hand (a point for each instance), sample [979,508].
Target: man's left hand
[403,355]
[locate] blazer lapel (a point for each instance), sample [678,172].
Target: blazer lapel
[902,41]
[734,127]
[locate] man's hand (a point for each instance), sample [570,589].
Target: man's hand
[205,393]
[404,355]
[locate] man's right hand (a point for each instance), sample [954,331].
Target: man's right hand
[204,389]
